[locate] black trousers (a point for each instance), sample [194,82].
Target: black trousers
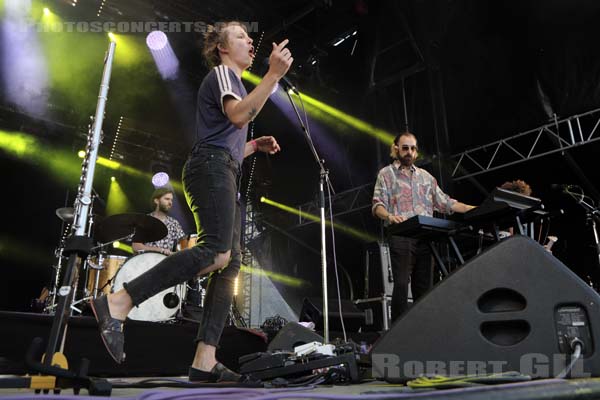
[411,263]
[211,178]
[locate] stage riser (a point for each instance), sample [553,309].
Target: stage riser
[152,349]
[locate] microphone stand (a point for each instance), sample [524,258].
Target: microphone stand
[592,215]
[323,179]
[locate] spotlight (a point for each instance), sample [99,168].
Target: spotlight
[81,153]
[157,40]
[160,179]
[112,179]
[112,37]
[46,11]
[262,199]
[116,244]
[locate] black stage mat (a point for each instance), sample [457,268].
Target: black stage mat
[152,348]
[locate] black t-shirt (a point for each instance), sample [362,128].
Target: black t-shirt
[212,125]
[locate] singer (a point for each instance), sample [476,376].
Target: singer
[211,179]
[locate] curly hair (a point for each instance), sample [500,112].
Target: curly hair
[393,150]
[216,35]
[518,186]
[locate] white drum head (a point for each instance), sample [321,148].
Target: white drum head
[153,309]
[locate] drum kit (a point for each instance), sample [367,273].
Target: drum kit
[103,273]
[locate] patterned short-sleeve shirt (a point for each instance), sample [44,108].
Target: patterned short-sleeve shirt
[174,234]
[405,194]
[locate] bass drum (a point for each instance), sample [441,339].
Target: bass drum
[160,307]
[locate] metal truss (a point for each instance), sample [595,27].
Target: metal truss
[345,202]
[245,279]
[557,136]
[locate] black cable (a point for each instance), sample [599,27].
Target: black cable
[578,348]
[181,383]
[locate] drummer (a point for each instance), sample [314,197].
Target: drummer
[162,202]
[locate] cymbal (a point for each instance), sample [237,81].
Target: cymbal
[66,214]
[146,228]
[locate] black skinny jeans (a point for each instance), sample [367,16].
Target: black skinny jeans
[210,178]
[411,262]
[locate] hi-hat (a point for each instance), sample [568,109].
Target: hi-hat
[145,227]
[66,214]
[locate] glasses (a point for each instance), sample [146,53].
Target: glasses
[406,147]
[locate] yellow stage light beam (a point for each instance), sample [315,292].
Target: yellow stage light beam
[61,164]
[48,18]
[318,109]
[348,119]
[133,172]
[275,276]
[348,230]
[25,251]
[117,201]
[252,78]
[130,50]
[123,246]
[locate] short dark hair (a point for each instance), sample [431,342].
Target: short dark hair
[158,193]
[393,151]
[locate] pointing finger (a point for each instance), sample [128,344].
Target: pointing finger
[282,44]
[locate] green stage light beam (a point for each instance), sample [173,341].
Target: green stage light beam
[332,115]
[275,276]
[348,230]
[117,201]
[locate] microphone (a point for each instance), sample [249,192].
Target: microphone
[562,186]
[567,189]
[100,200]
[284,81]
[288,85]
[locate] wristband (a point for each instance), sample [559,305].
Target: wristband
[254,145]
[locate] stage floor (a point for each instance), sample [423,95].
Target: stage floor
[540,389]
[151,358]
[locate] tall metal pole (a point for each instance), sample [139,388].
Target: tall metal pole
[323,180]
[79,244]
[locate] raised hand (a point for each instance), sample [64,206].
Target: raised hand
[280,59]
[267,144]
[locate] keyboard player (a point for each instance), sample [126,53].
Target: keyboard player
[403,190]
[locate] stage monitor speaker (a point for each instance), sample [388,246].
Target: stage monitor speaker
[379,281]
[291,335]
[312,310]
[514,307]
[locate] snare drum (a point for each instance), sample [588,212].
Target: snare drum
[160,307]
[188,242]
[105,273]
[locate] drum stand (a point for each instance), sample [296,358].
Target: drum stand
[88,295]
[99,266]
[55,280]
[192,305]
[59,256]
